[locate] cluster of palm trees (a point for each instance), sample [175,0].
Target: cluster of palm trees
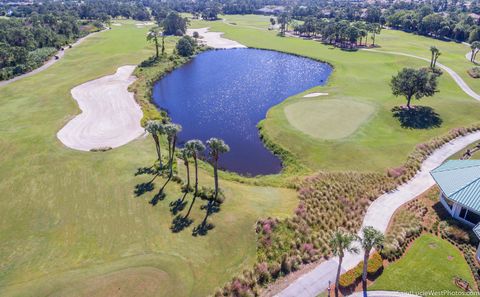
[192,149]
[343,242]
[435,54]
[342,32]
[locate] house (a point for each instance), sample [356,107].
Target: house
[459,183]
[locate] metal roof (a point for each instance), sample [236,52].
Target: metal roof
[459,180]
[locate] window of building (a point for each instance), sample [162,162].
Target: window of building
[463,212]
[472,217]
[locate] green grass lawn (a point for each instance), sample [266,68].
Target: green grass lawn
[70,224]
[364,77]
[430,264]
[308,115]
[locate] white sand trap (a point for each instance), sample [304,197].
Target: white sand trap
[315,95]
[215,39]
[110,116]
[117,24]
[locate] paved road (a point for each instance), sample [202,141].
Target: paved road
[47,65]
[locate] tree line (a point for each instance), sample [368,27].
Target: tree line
[25,43]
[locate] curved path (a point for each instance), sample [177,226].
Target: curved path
[460,82]
[378,215]
[49,63]
[110,115]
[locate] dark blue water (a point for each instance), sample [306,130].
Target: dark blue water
[225,93]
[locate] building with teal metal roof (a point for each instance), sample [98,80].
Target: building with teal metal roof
[459,182]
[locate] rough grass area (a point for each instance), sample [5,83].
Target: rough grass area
[342,117]
[363,76]
[70,221]
[431,263]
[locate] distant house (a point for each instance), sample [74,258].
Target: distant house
[459,182]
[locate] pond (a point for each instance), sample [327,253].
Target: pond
[225,93]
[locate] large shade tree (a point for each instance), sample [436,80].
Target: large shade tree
[341,243]
[414,83]
[217,147]
[371,239]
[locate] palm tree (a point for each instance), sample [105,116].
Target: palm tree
[186,154]
[435,54]
[217,146]
[371,238]
[152,36]
[171,130]
[156,128]
[475,46]
[340,243]
[196,147]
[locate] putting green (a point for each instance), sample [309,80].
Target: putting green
[326,119]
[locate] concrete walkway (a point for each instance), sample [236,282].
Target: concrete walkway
[47,64]
[460,82]
[378,215]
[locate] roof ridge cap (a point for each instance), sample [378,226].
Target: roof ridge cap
[462,188]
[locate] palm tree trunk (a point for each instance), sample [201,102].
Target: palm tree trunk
[409,99]
[157,146]
[364,274]
[431,60]
[156,47]
[172,155]
[471,56]
[163,44]
[196,174]
[188,175]
[215,175]
[337,278]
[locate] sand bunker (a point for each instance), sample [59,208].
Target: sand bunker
[315,95]
[110,116]
[215,39]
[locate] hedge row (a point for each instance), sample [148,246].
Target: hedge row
[351,278]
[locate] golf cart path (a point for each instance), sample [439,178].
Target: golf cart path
[378,215]
[47,64]
[110,115]
[460,82]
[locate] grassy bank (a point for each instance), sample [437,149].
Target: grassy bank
[377,141]
[70,222]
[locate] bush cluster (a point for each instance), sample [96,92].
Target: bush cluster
[351,278]
[407,225]
[474,72]
[423,150]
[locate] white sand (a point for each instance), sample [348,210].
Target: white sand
[215,39]
[110,116]
[116,24]
[315,95]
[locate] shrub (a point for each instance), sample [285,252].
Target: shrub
[375,264]
[474,72]
[186,46]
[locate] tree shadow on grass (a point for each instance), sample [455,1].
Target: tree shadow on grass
[204,227]
[160,195]
[180,222]
[417,117]
[178,205]
[142,188]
